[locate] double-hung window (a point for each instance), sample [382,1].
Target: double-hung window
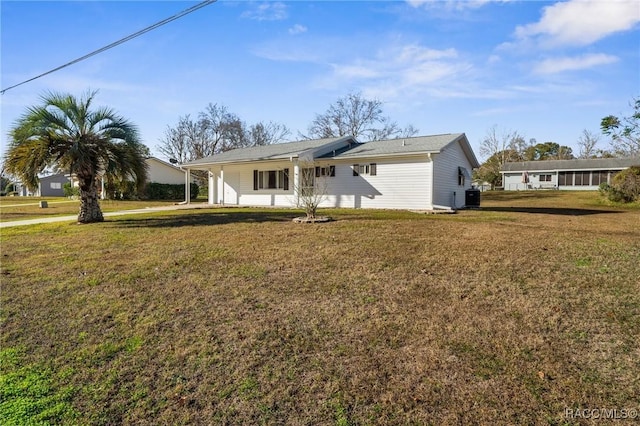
[370,169]
[271,179]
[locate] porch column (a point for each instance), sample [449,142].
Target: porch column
[221,187]
[187,186]
[296,181]
[212,192]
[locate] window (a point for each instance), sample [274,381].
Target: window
[565,179]
[326,171]
[582,178]
[271,179]
[545,178]
[307,181]
[462,175]
[599,177]
[365,169]
[55,185]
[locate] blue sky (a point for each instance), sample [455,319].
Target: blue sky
[546,69]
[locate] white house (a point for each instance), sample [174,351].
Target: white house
[162,172]
[577,174]
[158,171]
[426,173]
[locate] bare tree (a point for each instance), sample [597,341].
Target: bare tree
[175,143]
[498,147]
[498,141]
[311,188]
[353,115]
[587,144]
[224,130]
[216,130]
[267,133]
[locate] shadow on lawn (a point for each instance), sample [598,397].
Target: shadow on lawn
[206,219]
[550,210]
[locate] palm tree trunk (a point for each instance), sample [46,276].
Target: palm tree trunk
[89,206]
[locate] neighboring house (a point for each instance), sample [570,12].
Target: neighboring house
[48,186]
[579,174]
[426,173]
[162,172]
[52,186]
[158,172]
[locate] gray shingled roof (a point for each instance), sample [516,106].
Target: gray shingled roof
[577,164]
[266,152]
[413,145]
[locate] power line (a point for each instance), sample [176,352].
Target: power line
[116,43]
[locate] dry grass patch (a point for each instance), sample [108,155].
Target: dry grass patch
[21,208]
[238,316]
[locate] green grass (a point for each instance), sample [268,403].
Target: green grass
[504,315]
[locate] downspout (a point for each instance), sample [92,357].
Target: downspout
[431,179]
[187,187]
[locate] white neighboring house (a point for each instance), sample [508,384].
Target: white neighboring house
[423,173]
[158,171]
[577,174]
[162,172]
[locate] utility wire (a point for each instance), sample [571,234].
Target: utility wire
[116,43]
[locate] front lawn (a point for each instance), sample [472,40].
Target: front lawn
[510,314]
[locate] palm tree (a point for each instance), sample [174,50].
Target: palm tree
[64,133]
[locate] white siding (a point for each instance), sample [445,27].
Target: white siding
[398,184]
[445,176]
[238,186]
[164,173]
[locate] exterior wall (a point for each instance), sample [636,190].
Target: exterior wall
[234,186]
[160,172]
[513,181]
[446,190]
[52,186]
[398,184]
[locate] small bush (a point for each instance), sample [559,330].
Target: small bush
[625,186]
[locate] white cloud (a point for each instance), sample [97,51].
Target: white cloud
[275,11]
[558,65]
[494,59]
[401,71]
[453,4]
[581,22]
[297,29]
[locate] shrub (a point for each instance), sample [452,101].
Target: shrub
[122,190]
[625,186]
[69,190]
[165,191]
